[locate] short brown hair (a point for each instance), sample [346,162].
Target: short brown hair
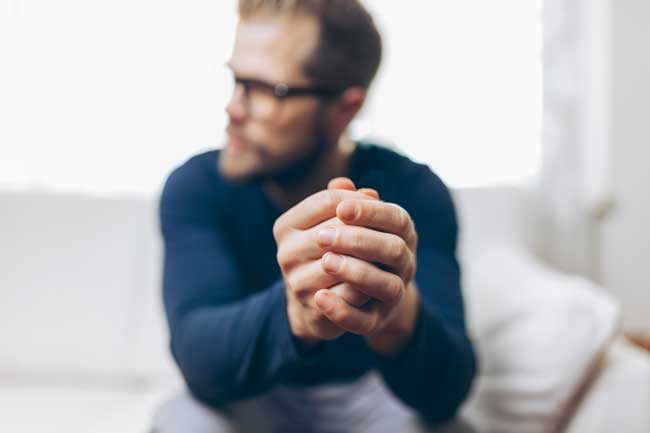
[349,49]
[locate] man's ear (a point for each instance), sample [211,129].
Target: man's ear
[343,110]
[352,100]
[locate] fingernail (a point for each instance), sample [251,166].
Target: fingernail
[332,262]
[326,237]
[325,301]
[348,210]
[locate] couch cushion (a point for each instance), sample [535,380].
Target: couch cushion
[537,333]
[76,273]
[96,408]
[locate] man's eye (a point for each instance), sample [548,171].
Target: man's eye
[260,88]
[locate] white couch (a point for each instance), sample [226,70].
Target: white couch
[84,338]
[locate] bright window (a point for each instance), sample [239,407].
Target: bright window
[106,97]
[461,87]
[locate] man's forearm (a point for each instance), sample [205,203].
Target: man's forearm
[237,350]
[434,370]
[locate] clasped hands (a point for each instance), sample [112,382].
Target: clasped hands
[348,260]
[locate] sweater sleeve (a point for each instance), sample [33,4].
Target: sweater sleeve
[434,372]
[228,344]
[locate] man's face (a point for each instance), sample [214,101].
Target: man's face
[272,49]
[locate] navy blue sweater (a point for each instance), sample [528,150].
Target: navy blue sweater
[225,298]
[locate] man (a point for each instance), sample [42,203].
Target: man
[296,302]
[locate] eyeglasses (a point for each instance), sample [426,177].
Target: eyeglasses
[264,100]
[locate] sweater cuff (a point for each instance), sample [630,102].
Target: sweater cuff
[425,351]
[279,326]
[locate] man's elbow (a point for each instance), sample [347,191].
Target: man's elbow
[214,394]
[208,381]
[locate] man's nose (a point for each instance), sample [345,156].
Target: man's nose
[236,108]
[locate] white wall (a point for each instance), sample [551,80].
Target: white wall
[625,242]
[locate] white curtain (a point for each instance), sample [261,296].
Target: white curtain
[576,178]
[576,126]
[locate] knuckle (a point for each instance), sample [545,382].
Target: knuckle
[403,220]
[414,236]
[412,270]
[286,255]
[397,250]
[282,257]
[395,289]
[278,228]
[295,283]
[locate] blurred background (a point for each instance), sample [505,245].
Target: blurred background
[543,102]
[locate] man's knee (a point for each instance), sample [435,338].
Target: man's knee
[182,413]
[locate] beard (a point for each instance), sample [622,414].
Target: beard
[300,168]
[289,173]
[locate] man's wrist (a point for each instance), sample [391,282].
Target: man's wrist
[298,328]
[391,340]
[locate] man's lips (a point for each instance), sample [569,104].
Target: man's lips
[236,143]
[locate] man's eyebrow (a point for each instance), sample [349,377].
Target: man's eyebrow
[229,65]
[234,70]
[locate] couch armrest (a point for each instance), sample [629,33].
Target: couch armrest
[619,398]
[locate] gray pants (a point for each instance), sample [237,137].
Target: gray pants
[362,406]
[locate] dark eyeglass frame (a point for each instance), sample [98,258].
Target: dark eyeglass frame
[282,91]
